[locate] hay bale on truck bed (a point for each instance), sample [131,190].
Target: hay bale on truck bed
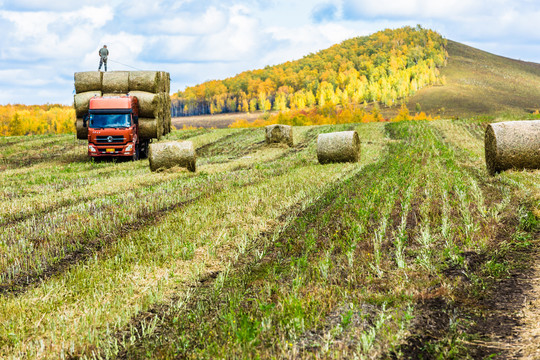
[170,154]
[115,82]
[81,102]
[82,132]
[149,81]
[112,95]
[150,104]
[512,145]
[343,146]
[165,81]
[280,134]
[87,81]
[167,121]
[150,128]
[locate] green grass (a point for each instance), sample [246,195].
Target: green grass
[263,253]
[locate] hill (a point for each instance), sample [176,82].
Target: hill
[413,65]
[383,67]
[480,83]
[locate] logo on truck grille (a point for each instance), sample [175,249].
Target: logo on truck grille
[110,139]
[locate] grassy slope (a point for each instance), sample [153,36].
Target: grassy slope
[480,83]
[262,252]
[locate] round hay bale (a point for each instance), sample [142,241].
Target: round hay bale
[150,128]
[87,81]
[149,81]
[81,102]
[168,120]
[279,134]
[150,104]
[112,95]
[82,132]
[115,82]
[512,145]
[165,82]
[170,154]
[343,146]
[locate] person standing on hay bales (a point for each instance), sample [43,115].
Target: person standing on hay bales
[103,54]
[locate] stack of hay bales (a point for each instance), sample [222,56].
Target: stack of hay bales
[512,145]
[279,134]
[343,146]
[167,155]
[151,88]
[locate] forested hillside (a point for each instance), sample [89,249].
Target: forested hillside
[385,67]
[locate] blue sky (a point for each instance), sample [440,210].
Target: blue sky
[44,42]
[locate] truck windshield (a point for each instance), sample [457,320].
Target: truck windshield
[99,121]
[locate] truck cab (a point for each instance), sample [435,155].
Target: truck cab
[113,128]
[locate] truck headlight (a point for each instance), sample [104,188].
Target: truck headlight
[129,147]
[91,148]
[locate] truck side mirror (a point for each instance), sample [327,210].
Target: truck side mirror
[84,120]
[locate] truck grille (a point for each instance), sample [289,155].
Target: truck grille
[109,139]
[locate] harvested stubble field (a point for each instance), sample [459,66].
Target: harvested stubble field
[263,253]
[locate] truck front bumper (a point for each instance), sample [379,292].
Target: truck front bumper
[111,150]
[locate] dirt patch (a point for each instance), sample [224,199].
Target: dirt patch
[219,121]
[527,342]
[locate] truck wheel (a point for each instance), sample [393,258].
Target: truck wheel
[143,153]
[136,153]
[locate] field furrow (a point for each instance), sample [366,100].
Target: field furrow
[43,244]
[263,253]
[367,270]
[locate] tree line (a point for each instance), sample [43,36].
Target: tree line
[36,119]
[384,67]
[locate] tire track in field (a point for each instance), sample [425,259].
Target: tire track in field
[68,203]
[20,283]
[244,265]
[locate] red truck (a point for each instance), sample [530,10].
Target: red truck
[113,128]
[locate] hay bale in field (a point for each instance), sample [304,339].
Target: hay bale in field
[150,128]
[170,154]
[512,145]
[281,134]
[149,81]
[81,102]
[87,81]
[82,132]
[150,104]
[115,82]
[343,146]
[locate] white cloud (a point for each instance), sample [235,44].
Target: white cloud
[51,5]
[44,43]
[416,8]
[48,35]
[212,21]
